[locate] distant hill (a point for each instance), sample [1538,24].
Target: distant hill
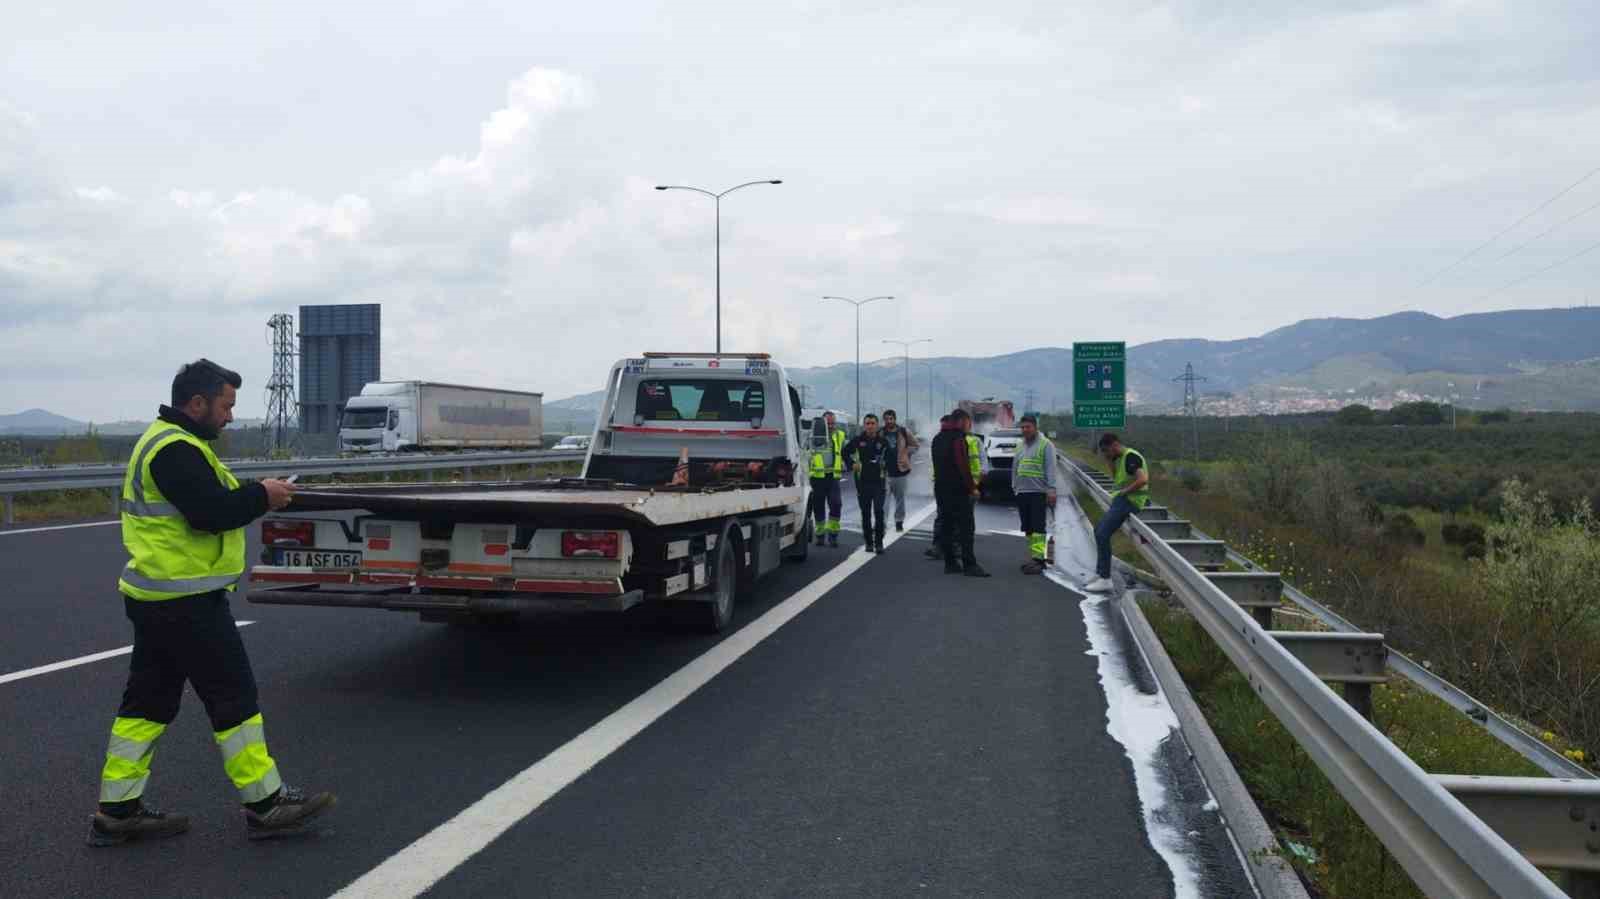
[40,422]
[1384,354]
[1522,359]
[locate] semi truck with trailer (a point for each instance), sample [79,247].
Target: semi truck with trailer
[694,487]
[407,416]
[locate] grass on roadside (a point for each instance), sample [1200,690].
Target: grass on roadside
[1345,858]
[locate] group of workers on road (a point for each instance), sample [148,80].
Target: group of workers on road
[879,458]
[183,515]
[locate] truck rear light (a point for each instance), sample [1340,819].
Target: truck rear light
[496,549]
[277,532]
[590,544]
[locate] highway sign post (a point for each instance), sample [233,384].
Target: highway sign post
[1099,384]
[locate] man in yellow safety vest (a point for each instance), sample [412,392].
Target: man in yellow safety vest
[827,468]
[183,518]
[1131,477]
[1033,483]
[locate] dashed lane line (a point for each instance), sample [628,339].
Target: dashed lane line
[73,663]
[419,866]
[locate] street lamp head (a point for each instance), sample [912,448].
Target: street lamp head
[661,187]
[776,181]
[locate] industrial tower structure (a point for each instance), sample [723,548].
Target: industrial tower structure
[283,411]
[1191,406]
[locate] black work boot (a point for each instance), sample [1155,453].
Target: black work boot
[951,566]
[833,539]
[899,526]
[1033,566]
[142,824]
[871,547]
[822,539]
[289,812]
[973,569]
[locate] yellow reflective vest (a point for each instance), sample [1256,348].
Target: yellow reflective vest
[1119,474]
[830,459]
[170,558]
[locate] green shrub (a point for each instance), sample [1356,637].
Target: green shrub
[1402,530]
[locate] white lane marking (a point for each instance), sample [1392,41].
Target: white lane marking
[61,527]
[73,663]
[435,854]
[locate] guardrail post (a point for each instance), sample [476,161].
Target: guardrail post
[1581,884]
[10,513]
[505,473]
[1360,698]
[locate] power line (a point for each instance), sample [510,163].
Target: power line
[1541,207]
[1547,231]
[1557,264]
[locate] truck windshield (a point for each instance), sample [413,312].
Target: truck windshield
[364,418]
[700,399]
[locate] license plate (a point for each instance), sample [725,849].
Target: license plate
[318,558]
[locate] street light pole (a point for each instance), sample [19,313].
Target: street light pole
[717,199]
[906,346]
[858,304]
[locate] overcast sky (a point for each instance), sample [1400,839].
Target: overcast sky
[1018,174]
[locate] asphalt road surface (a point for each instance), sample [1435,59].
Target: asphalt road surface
[904,732]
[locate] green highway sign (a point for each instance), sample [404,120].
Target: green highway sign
[1099,384]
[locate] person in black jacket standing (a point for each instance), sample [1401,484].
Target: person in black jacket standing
[954,489]
[868,457]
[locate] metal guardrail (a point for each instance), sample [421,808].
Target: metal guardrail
[1457,836]
[87,477]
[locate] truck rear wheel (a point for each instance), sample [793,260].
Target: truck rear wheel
[717,614]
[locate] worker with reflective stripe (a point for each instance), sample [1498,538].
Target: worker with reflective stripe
[183,515]
[827,467]
[1033,482]
[1131,477]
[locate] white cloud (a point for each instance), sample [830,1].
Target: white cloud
[1010,173]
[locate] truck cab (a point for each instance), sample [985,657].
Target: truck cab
[698,418]
[378,421]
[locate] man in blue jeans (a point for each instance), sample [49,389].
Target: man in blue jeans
[1130,493]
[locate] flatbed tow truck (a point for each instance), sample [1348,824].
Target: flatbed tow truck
[693,488]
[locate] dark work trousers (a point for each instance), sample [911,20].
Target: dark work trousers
[191,638]
[959,523]
[826,501]
[1031,512]
[1110,523]
[871,497]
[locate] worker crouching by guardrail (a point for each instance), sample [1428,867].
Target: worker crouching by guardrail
[1130,493]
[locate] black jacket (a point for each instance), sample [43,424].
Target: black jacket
[873,455]
[952,472]
[185,478]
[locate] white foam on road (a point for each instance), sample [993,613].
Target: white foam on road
[73,663]
[434,855]
[60,527]
[1140,721]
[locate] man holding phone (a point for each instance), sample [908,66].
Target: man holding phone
[183,519]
